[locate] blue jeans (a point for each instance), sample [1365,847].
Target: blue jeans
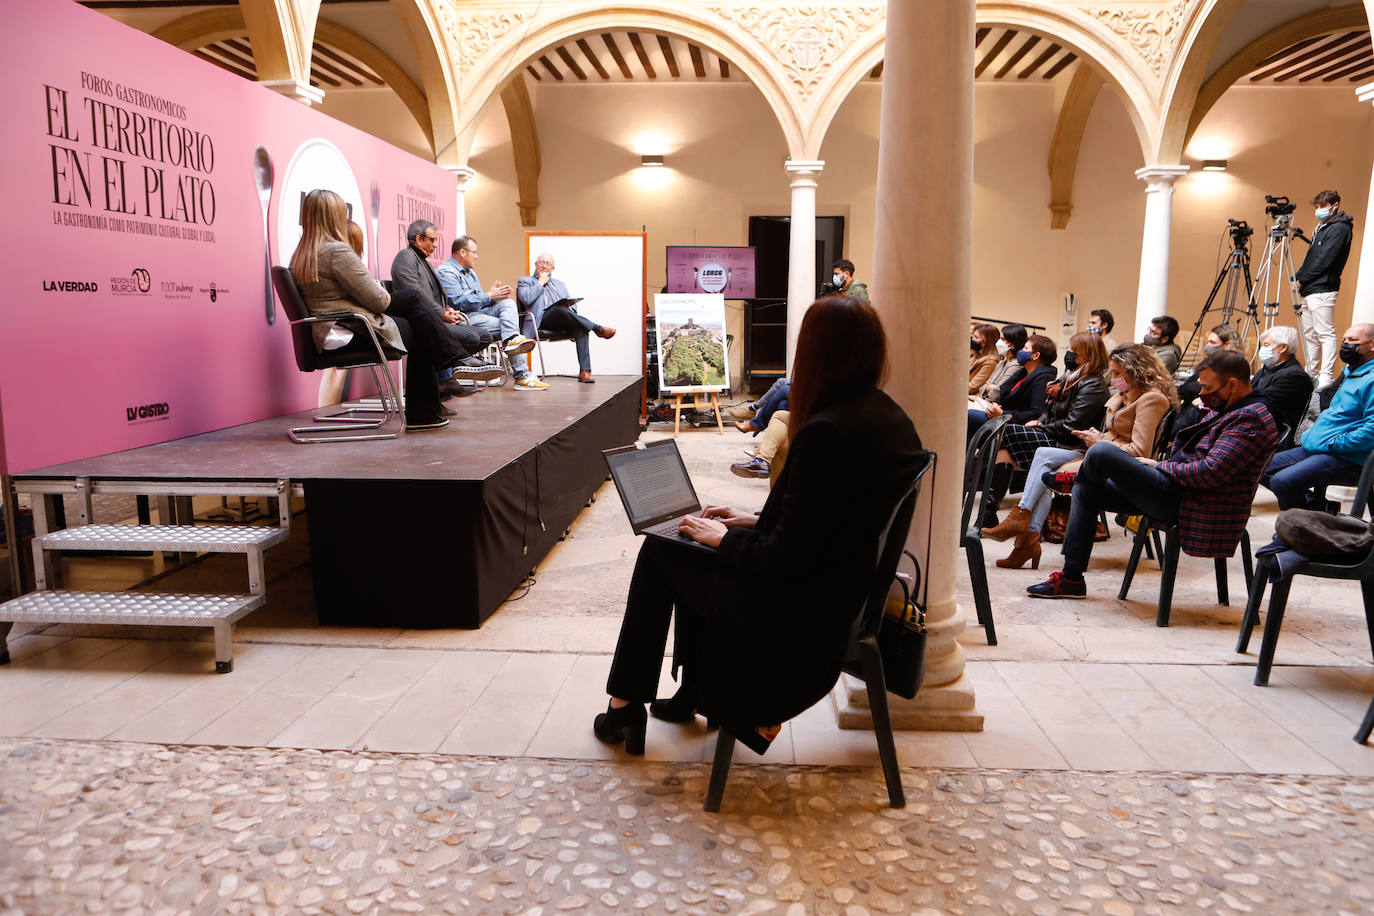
[1293,472]
[1112,479]
[1037,497]
[502,322]
[773,400]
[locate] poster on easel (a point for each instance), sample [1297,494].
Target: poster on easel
[691,342]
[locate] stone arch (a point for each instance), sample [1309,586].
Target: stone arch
[1184,78]
[436,76]
[507,56]
[199,29]
[1123,72]
[1250,56]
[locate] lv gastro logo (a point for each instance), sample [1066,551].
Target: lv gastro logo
[147,411]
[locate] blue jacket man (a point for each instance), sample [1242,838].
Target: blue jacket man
[1335,448]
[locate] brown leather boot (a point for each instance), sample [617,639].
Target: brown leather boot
[1027,548]
[1017,522]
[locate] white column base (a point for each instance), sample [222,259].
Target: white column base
[946,708]
[302,92]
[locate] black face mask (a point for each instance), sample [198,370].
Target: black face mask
[1351,355]
[974,345]
[1070,360]
[1151,340]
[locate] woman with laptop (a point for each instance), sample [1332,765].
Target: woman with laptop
[762,621]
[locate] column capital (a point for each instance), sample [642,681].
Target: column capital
[1161,176]
[302,92]
[462,174]
[803,171]
[1365,93]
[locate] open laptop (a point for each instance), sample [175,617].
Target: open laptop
[655,489]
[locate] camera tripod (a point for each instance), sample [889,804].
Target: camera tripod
[1233,277]
[1275,272]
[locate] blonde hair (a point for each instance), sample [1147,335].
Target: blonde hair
[1144,371]
[324,217]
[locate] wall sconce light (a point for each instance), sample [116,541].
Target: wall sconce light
[1214,165]
[653,160]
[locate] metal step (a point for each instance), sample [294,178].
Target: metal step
[189,538]
[220,612]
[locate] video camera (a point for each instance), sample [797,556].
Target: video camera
[1278,206]
[1240,232]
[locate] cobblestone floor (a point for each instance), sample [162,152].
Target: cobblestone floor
[106,826]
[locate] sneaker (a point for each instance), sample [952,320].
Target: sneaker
[1059,585]
[1059,481]
[482,373]
[517,345]
[741,412]
[756,468]
[530,383]
[440,423]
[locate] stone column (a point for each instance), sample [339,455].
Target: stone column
[462,174]
[922,254]
[801,252]
[1364,284]
[1152,295]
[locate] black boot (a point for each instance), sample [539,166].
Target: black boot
[1001,480]
[680,707]
[624,724]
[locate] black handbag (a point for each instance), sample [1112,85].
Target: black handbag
[902,639]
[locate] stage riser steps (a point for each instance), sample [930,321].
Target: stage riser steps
[218,611]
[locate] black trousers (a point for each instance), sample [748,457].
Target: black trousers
[431,334]
[667,577]
[560,319]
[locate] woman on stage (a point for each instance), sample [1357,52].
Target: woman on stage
[764,621]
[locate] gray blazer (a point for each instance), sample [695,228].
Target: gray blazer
[344,285]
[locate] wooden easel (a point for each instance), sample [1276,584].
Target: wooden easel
[696,404]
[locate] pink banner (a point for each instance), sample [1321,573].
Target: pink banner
[137,176]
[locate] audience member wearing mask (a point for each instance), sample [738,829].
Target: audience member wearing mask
[1163,331]
[1335,448]
[1008,345]
[982,355]
[1281,380]
[1025,393]
[1221,337]
[1100,321]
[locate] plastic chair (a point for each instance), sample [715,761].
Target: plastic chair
[980,463]
[1283,566]
[309,359]
[863,658]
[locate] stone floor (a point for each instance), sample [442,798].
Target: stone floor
[1123,768]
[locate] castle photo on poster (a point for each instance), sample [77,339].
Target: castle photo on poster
[691,341]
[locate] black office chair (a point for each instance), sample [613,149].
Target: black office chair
[1283,566]
[1366,726]
[863,658]
[347,425]
[980,464]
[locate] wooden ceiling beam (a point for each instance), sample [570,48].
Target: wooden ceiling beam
[616,56]
[724,68]
[1357,55]
[668,56]
[358,67]
[572,64]
[1040,61]
[698,63]
[1016,58]
[533,72]
[320,66]
[996,49]
[548,65]
[586,50]
[1291,62]
[225,65]
[643,57]
[1064,61]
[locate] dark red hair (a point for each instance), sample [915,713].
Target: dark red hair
[841,354]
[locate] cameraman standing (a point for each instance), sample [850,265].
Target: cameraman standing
[1317,282]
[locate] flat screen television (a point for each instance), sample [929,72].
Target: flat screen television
[701,269]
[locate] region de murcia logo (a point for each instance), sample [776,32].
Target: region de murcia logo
[214,291]
[137,283]
[70,286]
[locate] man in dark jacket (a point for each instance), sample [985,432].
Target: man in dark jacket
[1206,484]
[1281,379]
[410,269]
[1318,280]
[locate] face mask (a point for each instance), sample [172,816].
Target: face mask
[1323,214]
[1071,360]
[1094,330]
[1210,349]
[974,345]
[1120,384]
[1351,355]
[1265,354]
[1151,339]
[1214,401]
[837,280]
[1023,357]
[1002,347]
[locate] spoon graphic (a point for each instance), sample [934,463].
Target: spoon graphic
[375,200]
[262,174]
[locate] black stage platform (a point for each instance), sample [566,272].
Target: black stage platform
[430,529]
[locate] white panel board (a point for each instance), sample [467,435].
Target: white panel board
[607,271]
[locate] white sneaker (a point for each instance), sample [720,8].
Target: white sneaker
[530,383]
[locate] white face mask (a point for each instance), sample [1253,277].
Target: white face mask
[1323,214]
[1002,347]
[837,280]
[1266,355]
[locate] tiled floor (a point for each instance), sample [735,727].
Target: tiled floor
[1088,685]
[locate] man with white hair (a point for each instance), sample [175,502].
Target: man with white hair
[1281,379]
[551,309]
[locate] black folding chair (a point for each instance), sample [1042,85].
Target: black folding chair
[980,463]
[346,425]
[863,658]
[1282,571]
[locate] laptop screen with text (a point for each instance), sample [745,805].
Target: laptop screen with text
[653,483]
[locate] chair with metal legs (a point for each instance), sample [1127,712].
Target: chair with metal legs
[980,464]
[1283,566]
[343,425]
[863,658]
[1366,726]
